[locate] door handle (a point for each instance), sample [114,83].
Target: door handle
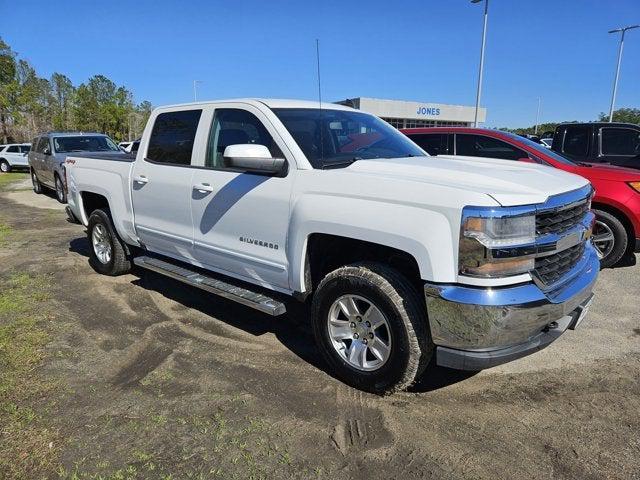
[140,179]
[203,187]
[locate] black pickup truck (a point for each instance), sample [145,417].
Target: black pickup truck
[599,142]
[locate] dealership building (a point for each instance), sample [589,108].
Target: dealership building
[406,114]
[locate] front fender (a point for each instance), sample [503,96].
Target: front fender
[426,235]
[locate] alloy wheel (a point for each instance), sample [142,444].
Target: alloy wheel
[603,239]
[59,189]
[101,243]
[359,332]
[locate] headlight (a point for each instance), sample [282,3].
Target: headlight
[486,245]
[635,186]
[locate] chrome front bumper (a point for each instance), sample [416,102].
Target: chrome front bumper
[476,328]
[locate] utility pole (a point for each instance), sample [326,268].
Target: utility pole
[484,37]
[195,89]
[535,130]
[623,30]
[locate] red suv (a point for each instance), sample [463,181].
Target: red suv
[617,199]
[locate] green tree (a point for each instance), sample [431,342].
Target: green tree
[7,87]
[62,97]
[625,115]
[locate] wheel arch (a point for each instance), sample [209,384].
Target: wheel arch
[620,215]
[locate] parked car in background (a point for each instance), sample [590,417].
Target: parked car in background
[14,155]
[133,147]
[546,142]
[599,142]
[49,151]
[403,260]
[617,198]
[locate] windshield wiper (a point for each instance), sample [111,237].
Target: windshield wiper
[342,164]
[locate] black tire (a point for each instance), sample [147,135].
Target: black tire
[4,166]
[37,186]
[606,222]
[411,347]
[61,194]
[119,261]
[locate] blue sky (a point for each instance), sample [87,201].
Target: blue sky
[425,50]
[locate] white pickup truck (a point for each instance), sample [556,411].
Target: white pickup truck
[404,258]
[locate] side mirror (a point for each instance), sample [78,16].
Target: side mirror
[46,151]
[252,158]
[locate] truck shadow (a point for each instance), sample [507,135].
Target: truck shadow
[292,330]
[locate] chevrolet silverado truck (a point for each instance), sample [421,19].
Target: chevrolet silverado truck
[404,261]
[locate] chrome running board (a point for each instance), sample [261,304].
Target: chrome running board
[213,285]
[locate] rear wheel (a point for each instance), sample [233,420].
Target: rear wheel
[4,166]
[610,238]
[37,186]
[61,195]
[108,254]
[371,327]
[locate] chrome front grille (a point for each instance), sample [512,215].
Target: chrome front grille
[552,268]
[559,221]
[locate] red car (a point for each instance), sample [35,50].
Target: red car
[617,199]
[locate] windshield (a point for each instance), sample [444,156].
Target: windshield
[85,143]
[333,138]
[539,148]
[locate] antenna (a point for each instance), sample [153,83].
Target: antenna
[319,100]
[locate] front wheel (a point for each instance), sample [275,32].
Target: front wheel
[108,253]
[4,166]
[370,324]
[61,194]
[610,238]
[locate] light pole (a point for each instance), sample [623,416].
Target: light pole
[535,130]
[195,89]
[484,36]
[623,30]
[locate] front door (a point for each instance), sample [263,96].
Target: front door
[161,185]
[241,219]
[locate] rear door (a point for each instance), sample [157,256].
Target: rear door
[434,143]
[619,146]
[13,156]
[24,155]
[241,219]
[161,184]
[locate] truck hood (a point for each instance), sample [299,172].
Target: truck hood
[509,183]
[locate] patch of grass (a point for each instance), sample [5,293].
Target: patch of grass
[30,447]
[5,230]
[8,178]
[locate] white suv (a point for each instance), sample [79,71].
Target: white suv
[14,155]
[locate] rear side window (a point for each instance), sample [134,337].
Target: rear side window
[172,137]
[576,141]
[432,143]
[620,141]
[481,146]
[13,149]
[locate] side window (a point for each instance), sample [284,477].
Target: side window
[25,148]
[43,146]
[481,146]
[432,143]
[172,137]
[576,141]
[13,149]
[232,126]
[620,141]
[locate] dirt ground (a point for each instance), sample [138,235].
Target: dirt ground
[147,378]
